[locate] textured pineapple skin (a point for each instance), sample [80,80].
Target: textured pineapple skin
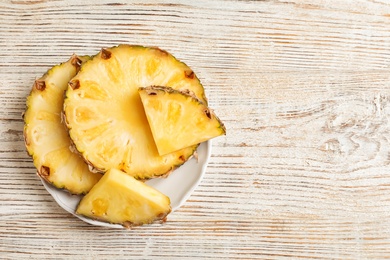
[178,119]
[118,198]
[46,137]
[96,81]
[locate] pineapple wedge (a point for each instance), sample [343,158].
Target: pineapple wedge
[118,198]
[46,137]
[105,116]
[178,119]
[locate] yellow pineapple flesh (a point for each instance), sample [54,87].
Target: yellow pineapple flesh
[178,119]
[105,116]
[118,198]
[46,137]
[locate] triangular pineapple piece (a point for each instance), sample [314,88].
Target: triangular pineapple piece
[46,137]
[178,119]
[118,198]
[105,117]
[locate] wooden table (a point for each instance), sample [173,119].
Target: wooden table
[303,88]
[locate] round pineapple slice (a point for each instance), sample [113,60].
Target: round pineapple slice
[46,137]
[105,116]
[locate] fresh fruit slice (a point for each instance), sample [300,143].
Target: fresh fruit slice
[118,198]
[46,137]
[178,119]
[105,116]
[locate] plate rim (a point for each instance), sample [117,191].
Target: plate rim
[55,192]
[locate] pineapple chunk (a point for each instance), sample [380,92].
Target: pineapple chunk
[105,116]
[118,198]
[46,138]
[178,119]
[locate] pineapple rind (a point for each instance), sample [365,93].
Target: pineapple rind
[46,137]
[118,198]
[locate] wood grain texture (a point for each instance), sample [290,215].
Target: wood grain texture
[303,88]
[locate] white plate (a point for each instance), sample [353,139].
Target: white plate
[178,186]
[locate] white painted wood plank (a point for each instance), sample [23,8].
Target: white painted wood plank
[304,91]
